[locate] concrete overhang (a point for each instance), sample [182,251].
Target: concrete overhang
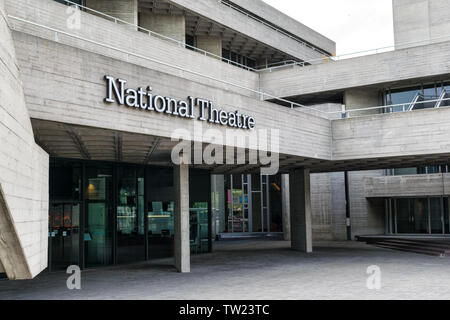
[248,26]
[285,22]
[412,65]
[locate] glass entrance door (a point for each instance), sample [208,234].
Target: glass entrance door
[130,215]
[418,215]
[64,235]
[98,241]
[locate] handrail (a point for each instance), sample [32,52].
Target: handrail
[152,33]
[441,98]
[389,108]
[415,101]
[304,43]
[260,93]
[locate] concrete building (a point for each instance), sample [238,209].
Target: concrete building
[98,96]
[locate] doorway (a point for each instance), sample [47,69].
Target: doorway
[64,235]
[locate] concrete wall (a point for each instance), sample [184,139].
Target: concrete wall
[420,22]
[414,133]
[169,25]
[230,18]
[367,217]
[407,186]
[66,84]
[53,14]
[283,21]
[328,206]
[126,10]
[23,173]
[376,70]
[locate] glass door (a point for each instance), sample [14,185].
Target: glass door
[436,216]
[405,218]
[98,241]
[130,215]
[446,216]
[64,235]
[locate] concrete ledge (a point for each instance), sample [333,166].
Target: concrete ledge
[407,186]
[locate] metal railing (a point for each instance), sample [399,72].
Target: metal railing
[304,43]
[393,108]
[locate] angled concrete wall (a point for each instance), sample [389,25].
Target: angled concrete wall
[23,173]
[421,22]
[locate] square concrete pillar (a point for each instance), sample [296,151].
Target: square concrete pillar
[285,207]
[211,44]
[169,25]
[181,218]
[300,204]
[126,10]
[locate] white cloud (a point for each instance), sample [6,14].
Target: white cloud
[355,25]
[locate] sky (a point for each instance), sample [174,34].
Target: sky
[355,25]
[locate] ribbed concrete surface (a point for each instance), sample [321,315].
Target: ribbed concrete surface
[256,270]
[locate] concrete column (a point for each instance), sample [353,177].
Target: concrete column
[300,203]
[181,218]
[126,10]
[285,207]
[210,44]
[362,98]
[169,25]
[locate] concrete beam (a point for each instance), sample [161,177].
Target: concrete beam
[286,207]
[181,218]
[300,209]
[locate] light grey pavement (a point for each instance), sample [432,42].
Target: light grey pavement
[256,270]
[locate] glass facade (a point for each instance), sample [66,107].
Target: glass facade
[425,215]
[422,93]
[247,204]
[109,213]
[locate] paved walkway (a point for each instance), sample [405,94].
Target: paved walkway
[256,270]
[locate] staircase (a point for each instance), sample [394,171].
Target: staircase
[435,246]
